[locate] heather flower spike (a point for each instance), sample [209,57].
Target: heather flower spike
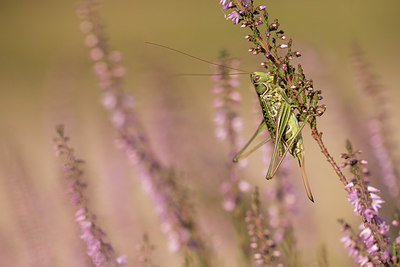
[266,251]
[101,253]
[228,126]
[145,250]
[381,134]
[159,181]
[372,244]
[228,123]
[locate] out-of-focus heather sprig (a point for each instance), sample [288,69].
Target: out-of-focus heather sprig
[146,250]
[269,40]
[356,247]
[102,253]
[161,182]
[371,246]
[379,128]
[281,206]
[228,126]
[266,248]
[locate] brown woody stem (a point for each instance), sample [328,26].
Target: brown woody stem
[318,137]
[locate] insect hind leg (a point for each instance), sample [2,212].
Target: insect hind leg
[290,145]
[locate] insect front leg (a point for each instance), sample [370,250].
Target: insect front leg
[240,154]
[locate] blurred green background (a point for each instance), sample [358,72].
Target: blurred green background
[46,79]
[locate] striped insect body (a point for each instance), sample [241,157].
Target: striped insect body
[281,123]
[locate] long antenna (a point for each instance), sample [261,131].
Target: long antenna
[209,74]
[188,55]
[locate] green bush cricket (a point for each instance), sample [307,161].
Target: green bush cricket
[282,125]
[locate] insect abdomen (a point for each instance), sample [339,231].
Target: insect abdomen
[271,104]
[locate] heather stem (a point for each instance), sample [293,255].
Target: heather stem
[318,137]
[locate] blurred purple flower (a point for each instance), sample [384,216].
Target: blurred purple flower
[234,16]
[226,4]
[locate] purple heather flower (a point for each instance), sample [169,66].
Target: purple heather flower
[221,133]
[218,102]
[119,71]
[86,26]
[359,207]
[121,260]
[352,197]
[376,202]
[115,56]
[237,124]
[373,189]
[226,4]
[100,68]
[220,117]
[75,199]
[368,213]
[364,261]
[354,252]
[235,95]
[229,204]
[246,2]
[109,100]
[118,118]
[366,234]
[350,245]
[244,186]
[234,16]
[385,256]
[234,82]
[91,40]
[383,228]
[96,54]
[369,241]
